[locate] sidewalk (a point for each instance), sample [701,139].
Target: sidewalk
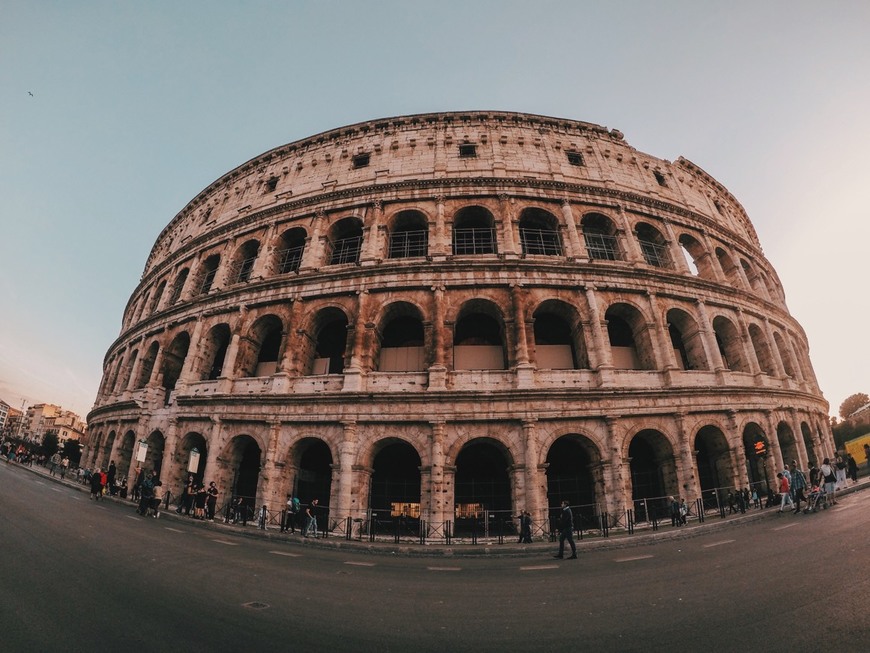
[620,539]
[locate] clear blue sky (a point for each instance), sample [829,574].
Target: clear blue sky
[137,106]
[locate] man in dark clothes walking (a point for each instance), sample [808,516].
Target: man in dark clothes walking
[566,532]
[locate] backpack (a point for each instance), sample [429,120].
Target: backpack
[294,506]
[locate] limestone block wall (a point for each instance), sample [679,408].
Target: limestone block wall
[446,314]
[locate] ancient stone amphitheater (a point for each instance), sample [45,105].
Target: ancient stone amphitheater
[452,317]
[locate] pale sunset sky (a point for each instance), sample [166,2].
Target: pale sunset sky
[115,114]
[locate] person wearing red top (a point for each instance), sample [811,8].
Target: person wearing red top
[784,491]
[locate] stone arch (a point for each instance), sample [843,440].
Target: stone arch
[409,234]
[310,462]
[479,338]
[242,262]
[697,257]
[755,281]
[757,450]
[539,233]
[558,336]
[147,366]
[207,273]
[787,443]
[173,361]
[762,350]
[687,340]
[807,435]
[653,246]
[395,489]
[156,442]
[784,355]
[239,475]
[104,452]
[714,463]
[574,475]
[730,344]
[482,482]
[214,352]
[474,231]
[401,341]
[345,241]
[325,350]
[184,454]
[653,473]
[178,286]
[289,249]
[630,344]
[260,349]
[158,295]
[729,268]
[600,236]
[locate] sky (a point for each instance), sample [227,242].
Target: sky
[114,115]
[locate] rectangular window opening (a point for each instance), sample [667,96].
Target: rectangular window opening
[361,160]
[575,158]
[467,150]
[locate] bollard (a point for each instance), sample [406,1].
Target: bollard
[348,529]
[629,521]
[447,532]
[423,529]
[699,508]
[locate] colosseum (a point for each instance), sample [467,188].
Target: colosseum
[443,319]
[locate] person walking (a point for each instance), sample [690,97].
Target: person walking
[784,493]
[293,507]
[798,485]
[211,501]
[311,517]
[829,477]
[852,467]
[95,484]
[110,478]
[525,518]
[867,456]
[566,532]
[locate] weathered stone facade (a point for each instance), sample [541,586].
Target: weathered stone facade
[452,312]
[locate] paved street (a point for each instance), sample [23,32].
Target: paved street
[80,575]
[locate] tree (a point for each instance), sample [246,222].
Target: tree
[853,403]
[72,449]
[49,444]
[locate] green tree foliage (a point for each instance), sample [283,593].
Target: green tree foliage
[72,450]
[49,444]
[853,403]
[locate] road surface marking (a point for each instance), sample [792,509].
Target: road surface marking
[707,546]
[56,489]
[444,568]
[360,564]
[782,528]
[225,542]
[632,558]
[537,567]
[286,553]
[174,530]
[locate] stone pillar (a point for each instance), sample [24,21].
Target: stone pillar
[193,360]
[627,240]
[675,249]
[774,350]
[373,243]
[215,467]
[535,475]
[262,266]
[600,358]
[434,494]
[313,254]
[524,369]
[507,225]
[272,494]
[354,372]
[348,505]
[441,245]
[708,338]
[576,248]
[137,365]
[709,257]
[803,458]
[690,489]
[168,464]
[617,490]
[773,439]
[746,343]
[661,337]
[440,338]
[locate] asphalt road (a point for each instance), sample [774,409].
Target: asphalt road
[78,575]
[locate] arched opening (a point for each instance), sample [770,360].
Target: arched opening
[288,253]
[787,443]
[154,454]
[173,362]
[686,340]
[409,236]
[473,231]
[178,286]
[215,352]
[243,455]
[730,345]
[729,268]
[260,351]
[314,474]
[129,372]
[345,241]
[599,234]
[147,366]
[629,346]
[754,281]
[478,340]
[714,463]
[762,350]
[125,457]
[653,474]
[570,478]
[330,342]
[554,342]
[191,462]
[806,433]
[402,340]
[243,262]
[158,294]
[756,449]
[539,233]
[784,355]
[483,489]
[395,489]
[653,246]
[697,258]
[208,272]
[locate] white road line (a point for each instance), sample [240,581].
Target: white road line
[632,558]
[127,516]
[537,567]
[782,528]
[174,530]
[444,568]
[712,544]
[56,489]
[360,564]
[286,553]
[225,542]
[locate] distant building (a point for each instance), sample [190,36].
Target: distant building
[42,419]
[4,414]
